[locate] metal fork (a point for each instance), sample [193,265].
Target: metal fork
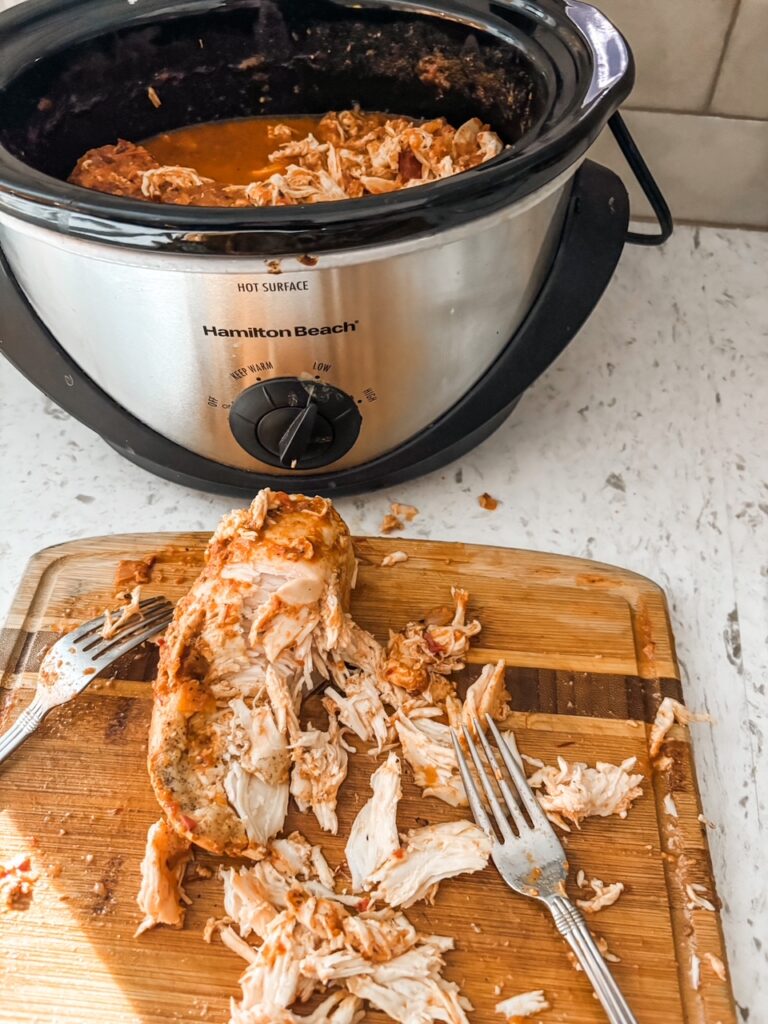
[77,658]
[530,858]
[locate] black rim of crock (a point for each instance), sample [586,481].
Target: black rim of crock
[38,198]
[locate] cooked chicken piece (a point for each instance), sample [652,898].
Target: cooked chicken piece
[670,711]
[575,791]
[310,942]
[605,895]
[379,935]
[129,611]
[319,768]
[271,981]
[411,990]
[162,873]
[266,616]
[695,899]
[373,836]
[360,708]
[394,558]
[422,651]
[716,964]
[250,900]
[428,749]
[257,784]
[486,696]
[524,1005]
[294,856]
[430,854]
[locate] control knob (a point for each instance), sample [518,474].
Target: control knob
[294,423]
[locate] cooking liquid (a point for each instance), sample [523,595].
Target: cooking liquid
[234,152]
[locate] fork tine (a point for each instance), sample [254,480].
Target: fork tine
[473,796]
[136,634]
[538,817]
[509,798]
[131,625]
[498,812]
[117,652]
[86,628]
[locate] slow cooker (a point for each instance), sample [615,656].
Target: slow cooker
[333,347]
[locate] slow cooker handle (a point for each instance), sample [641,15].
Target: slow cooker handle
[646,182]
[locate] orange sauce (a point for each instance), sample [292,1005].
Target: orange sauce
[234,152]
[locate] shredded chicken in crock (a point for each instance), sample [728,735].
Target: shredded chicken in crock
[352,155]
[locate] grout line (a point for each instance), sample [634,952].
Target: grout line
[693,113]
[726,44]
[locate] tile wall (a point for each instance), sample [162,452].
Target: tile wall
[699,109]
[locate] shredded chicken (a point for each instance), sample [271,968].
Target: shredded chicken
[351,155]
[695,900]
[717,965]
[129,610]
[605,895]
[394,559]
[319,768]
[423,653]
[373,837]
[428,749]
[486,696]
[575,791]
[524,1005]
[311,942]
[428,856]
[17,881]
[161,895]
[695,972]
[670,807]
[410,988]
[670,711]
[266,619]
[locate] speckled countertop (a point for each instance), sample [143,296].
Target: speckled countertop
[646,445]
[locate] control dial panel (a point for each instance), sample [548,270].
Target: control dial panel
[296,424]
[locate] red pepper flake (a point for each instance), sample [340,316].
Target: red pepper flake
[363,905]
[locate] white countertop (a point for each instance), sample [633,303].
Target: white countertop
[646,445]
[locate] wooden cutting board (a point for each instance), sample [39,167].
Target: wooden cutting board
[590,652]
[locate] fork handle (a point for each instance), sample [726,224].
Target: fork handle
[572,926]
[29,719]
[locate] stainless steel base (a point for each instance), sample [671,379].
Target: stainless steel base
[405,329]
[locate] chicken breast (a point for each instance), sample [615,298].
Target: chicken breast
[266,617]
[428,856]
[161,896]
[373,836]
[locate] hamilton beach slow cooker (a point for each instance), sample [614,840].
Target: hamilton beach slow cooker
[333,347]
